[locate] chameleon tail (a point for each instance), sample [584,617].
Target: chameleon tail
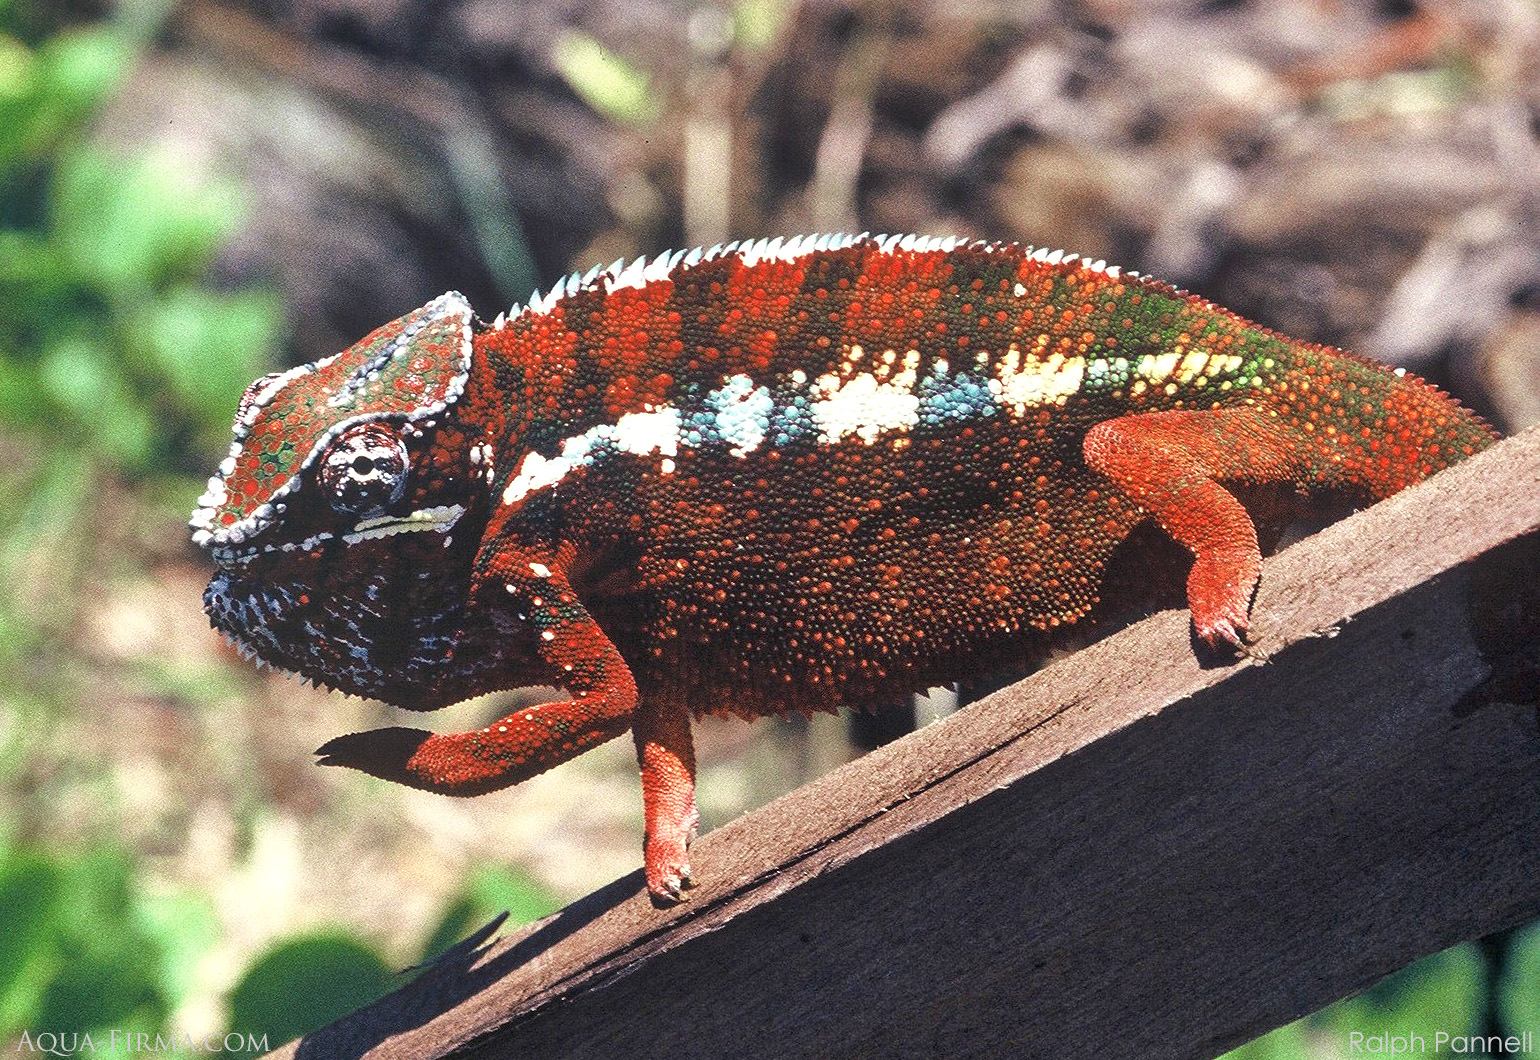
[1360,425]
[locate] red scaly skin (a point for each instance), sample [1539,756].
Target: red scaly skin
[766,478]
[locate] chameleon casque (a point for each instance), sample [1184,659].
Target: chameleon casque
[768,477]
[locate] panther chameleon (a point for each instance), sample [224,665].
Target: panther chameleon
[766,477]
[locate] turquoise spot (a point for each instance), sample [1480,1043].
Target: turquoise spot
[791,416]
[946,397]
[740,412]
[1108,374]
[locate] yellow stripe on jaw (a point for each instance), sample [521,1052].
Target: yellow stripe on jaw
[440,519]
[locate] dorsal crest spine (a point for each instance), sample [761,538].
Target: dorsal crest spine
[621,274]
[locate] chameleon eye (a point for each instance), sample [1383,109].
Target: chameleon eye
[364,470]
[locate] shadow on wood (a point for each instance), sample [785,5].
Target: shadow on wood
[1139,852]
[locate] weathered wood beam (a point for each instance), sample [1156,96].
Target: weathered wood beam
[1139,852]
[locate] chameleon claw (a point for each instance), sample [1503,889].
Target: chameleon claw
[668,871]
[671,889]
[1223,634]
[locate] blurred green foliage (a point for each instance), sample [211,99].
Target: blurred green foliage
[118,359]
[1446,994]
[304,983]
[489,892]
[115,348]
[608,83]
[85,949]
[1518,997]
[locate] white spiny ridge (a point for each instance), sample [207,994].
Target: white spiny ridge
[621,274]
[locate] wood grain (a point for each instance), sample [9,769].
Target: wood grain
[1143,851]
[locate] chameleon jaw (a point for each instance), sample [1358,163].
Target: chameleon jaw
[441,519]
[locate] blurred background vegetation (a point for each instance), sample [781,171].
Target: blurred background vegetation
[194,193]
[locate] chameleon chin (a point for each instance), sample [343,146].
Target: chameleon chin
[766,477]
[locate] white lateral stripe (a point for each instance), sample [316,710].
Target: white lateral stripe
[638,433]
[862,406]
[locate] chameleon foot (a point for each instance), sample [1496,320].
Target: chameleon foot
[1219,591]
[668,863]
[379,752]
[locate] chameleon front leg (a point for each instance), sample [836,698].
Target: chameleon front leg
[531,740]
[1168,463]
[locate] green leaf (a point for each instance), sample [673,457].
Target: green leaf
[305,983]
[1289,1042]
[184,927]
[80,376]
[41,292]
[18,67]
[19,386]
[108,971]
[1444,993]
[206,346]
[133,226]
[82,67]
[68,78]
[74,952]
[30,897]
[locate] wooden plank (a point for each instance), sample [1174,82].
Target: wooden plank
[1139,852]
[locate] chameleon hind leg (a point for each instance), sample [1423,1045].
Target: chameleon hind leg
[1169,463]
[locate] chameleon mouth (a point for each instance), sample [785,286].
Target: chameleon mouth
[441,519]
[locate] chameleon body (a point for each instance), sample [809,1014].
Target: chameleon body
[762,478]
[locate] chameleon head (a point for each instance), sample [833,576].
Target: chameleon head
[343,520]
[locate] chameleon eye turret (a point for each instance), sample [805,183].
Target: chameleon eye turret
[364,470]
[766,477]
